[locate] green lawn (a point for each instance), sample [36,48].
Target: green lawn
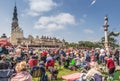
[64,71]
[117,74]
[67,72]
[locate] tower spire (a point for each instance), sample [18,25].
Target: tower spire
[15,2]
[15,13]
[15,18]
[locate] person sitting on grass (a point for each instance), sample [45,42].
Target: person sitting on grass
[72,64]
[4,64]
[92,72]
[53,73]
[83,73]
[61,60]
[5,69]
[43,74]
[49,61]
[67,61]
[78,61]
[83,62]
[110,65]
[32,61]
[39,70]
[21,73]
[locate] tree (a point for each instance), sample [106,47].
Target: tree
[84,44]
[89,44]
[111,39]
[74,45]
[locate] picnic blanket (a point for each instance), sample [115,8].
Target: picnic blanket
[71,77]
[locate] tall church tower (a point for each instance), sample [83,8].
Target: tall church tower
[16,31]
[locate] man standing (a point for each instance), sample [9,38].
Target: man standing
[110,65]
[102,55]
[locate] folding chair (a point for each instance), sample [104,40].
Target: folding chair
[36,73]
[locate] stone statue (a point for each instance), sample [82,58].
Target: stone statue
[106,20]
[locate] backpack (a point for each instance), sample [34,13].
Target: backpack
[97,77]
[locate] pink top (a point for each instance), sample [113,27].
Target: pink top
[22,76]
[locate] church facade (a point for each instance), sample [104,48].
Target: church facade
[17,36]
[16,31]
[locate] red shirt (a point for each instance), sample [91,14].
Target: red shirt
[32,62]
[50,63]
[110,64]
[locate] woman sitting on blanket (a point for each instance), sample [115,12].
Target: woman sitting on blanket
[21,73]
[91,72]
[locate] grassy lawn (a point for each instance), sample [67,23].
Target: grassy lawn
[117,74]
[67,72]
[64,71]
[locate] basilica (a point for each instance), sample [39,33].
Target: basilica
[17,36]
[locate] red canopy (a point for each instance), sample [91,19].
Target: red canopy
[5,42]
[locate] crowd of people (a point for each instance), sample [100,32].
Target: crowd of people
[20,64]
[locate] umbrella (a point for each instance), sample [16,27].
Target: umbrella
[5,42]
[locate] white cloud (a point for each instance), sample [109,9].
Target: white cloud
[89,31]
[39,6]
[54,23]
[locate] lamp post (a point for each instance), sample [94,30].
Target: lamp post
[106,31]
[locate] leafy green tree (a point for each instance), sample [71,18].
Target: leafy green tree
[111,39]
[74,45]
[84,44]
[89,44]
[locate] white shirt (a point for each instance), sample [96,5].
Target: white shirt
[102,52]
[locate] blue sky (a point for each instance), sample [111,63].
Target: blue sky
[73,20]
